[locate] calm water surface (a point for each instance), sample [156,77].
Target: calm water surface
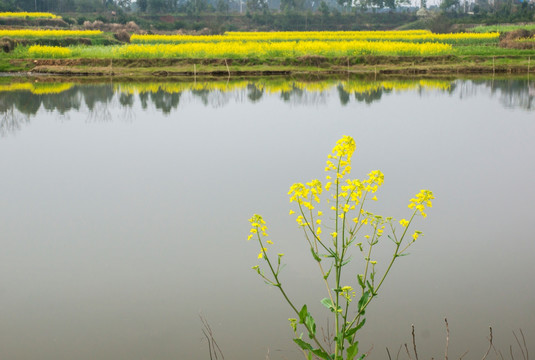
[124,213]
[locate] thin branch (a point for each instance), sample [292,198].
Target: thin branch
[388,352]
[524,341]
[369,351]
[511,352]
[209,345]
[212,344]
[490,343]
[447,339]
[408,353]
[520,346]
[399,350]
[414,342]
[466,352]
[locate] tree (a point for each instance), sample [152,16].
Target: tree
[447,5]
[324,9]
[255,6]
[142,5]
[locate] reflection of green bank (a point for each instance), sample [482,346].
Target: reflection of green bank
[28,97]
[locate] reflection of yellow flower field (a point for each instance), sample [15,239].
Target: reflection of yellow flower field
[42,15]
[37,88]
[276,87]
[404,36]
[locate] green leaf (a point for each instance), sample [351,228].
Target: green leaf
[328,273]
[315,255]
[362,356]
[360,278]
[349,333]
[363,300]
[303,314]
[360,325]
[352,351]
[303,344]
[311,325]
[328,303]
[318,352]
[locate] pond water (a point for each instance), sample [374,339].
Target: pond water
[124,213]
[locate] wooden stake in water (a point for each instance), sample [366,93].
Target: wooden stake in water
[227,68]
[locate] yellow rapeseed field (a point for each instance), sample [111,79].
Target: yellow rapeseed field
[409,36]
[44,15]
[252,49]
[33,34]
[49,52]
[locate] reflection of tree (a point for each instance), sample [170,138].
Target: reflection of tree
[144,99]
[295,93]
[371,96]
[63,102]
[11,121]
[203,94]
[17,106]
[126,100]
[343,95]
[96,94]
[165,101]
[512,93]
[254,93]
[515,93]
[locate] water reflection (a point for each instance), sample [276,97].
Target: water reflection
[19,101]
[116,234]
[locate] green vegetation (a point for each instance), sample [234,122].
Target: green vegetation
[339,205]
[502,28]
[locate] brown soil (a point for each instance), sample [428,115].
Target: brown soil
[511,39]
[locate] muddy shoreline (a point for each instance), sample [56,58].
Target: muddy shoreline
[312,66]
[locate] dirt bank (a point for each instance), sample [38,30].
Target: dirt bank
[314,65]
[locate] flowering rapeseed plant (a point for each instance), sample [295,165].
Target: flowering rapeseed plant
[351,225]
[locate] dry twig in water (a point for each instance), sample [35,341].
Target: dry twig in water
[388,352]
[447,339]
[213,348]
[399,350]
[524,355]
[490,343]
[408,353]
[414,342]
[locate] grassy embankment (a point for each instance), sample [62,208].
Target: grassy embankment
[234,54]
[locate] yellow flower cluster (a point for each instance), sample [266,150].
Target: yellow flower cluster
[240,49]
[49,52]
[30,33]
[258,226]
[405,36]
[42,15]
[421,201]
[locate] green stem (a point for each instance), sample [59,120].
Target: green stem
[278,284]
